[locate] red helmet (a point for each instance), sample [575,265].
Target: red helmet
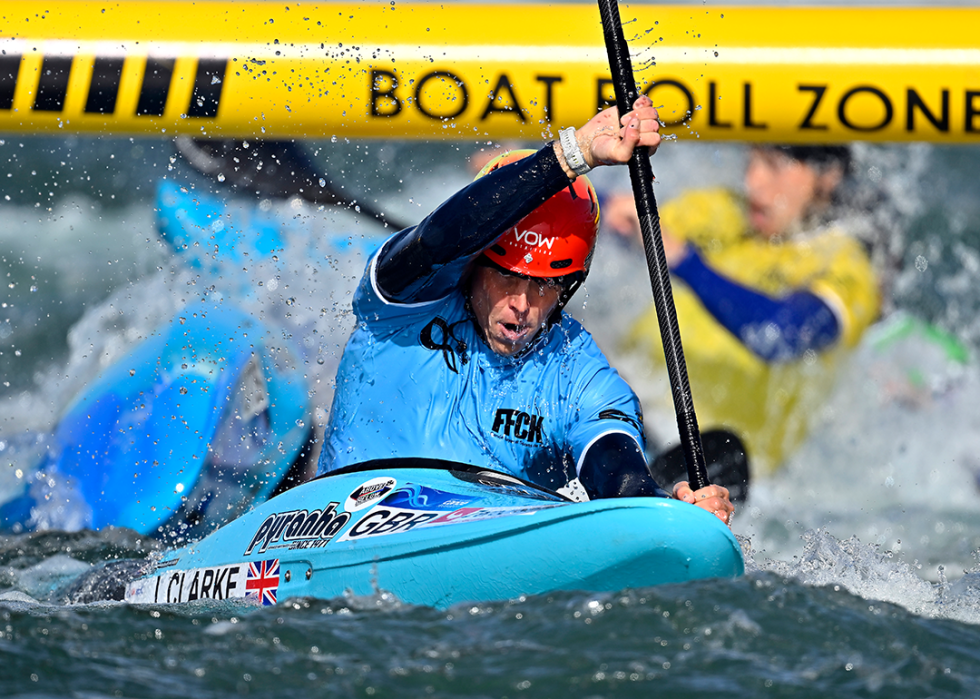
[554,240]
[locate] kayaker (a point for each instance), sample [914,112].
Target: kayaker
[462,350]
[772,291]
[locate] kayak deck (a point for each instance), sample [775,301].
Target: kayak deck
[439,537]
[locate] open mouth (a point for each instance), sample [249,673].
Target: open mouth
[757,213]
[513,332]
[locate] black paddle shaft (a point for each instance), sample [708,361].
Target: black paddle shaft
[641,175]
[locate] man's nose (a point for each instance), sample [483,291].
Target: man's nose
[519,302]
[519,296]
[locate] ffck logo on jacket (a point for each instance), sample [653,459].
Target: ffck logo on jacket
[519,425]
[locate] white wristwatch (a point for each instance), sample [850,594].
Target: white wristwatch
[573,154]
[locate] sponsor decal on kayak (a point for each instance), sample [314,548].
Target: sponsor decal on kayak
[417,507]
[166,564]
[389,520]
[368,493]
[298,529]
[422,497]
[258,582]
[262,583]
[174,587]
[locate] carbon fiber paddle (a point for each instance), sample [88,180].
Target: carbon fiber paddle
[641,176]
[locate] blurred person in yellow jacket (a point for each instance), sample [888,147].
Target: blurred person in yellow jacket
[771,293]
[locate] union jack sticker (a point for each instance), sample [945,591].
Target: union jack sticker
[262,583]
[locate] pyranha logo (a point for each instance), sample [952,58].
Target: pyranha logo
[299,529]
[519,425]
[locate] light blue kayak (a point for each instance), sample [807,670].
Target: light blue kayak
[436,534]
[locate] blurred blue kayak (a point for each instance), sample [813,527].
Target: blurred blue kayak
[196,423]
[199,421]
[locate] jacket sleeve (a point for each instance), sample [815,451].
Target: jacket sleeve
[427,261]
[614,467]
[775,329]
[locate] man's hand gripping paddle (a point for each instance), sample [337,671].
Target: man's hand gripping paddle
[641,175]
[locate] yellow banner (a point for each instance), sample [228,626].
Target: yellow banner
[464,71]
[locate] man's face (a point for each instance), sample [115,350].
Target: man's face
[781,191]
[510,309]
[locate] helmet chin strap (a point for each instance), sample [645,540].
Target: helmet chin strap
[566,295]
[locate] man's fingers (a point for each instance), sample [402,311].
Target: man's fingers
[610,145]
[682,491]
[629,138]
[648,115]
[646,126]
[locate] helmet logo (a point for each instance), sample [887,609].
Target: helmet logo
[533,239]
[528,258]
